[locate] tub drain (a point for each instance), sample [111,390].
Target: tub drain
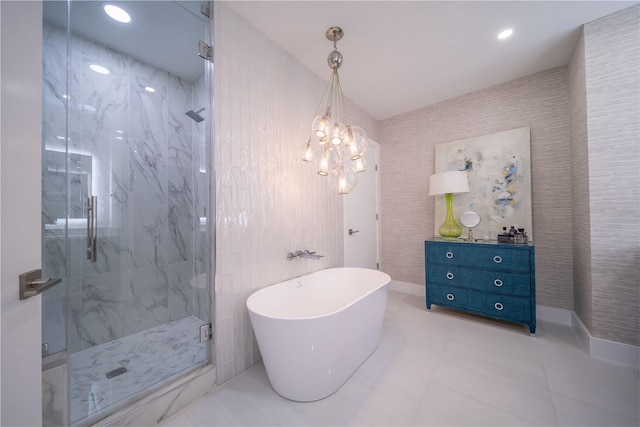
[118,371]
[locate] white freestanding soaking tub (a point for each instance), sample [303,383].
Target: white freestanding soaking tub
[316,330]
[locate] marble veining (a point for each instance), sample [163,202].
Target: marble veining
[140,305]
[148,164]
[54,390]
[152,358]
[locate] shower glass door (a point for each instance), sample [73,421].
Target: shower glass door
[135,139]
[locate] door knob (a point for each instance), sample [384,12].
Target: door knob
[352,231]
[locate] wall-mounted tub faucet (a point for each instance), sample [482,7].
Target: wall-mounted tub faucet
[303,254]
[312,255]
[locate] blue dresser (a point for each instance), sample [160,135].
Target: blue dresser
[487,278]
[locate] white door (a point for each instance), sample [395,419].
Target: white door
[361,207]
[20,201]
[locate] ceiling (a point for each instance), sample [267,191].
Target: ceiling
[400,56]
[164,34]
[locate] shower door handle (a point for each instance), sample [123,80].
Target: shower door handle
[92,227]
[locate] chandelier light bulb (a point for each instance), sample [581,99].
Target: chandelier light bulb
[335,137]
[353,152]
[326,158]
[344,178]
[322,126]
[308,152]
[347,136]
[360,143]
[324,166]
[342,182]
[361,164]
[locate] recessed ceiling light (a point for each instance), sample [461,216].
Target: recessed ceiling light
[149,89]
[117,13]
[99,69]
[505,34]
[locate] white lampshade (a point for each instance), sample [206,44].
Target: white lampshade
[448,182]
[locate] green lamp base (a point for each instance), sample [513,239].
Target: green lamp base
[450,229]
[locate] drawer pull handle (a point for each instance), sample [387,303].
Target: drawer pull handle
[497,259]
[498,306]
[497,282]
[450,297]
[450,276]
[449,254]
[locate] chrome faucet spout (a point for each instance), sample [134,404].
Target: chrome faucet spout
[311,255]
[303,254]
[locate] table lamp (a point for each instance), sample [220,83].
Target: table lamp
[449,183]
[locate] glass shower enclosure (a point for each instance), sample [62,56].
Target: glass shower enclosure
[125,197]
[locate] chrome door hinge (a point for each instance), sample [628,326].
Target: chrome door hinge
[377,266]
[205,51]
[205,332]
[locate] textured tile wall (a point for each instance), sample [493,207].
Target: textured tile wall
[407,147]
[580,184]
[612,62]
[268,201]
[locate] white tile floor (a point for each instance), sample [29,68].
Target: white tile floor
[445,368]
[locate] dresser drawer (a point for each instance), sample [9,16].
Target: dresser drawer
[477,255]
[490,279]
[448,296]
[500,306]
[498,282]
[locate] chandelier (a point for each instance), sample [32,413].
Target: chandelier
[335,147]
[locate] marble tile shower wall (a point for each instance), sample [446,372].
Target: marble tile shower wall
[269,202]
[145,160]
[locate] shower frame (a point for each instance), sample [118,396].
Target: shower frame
[183,272]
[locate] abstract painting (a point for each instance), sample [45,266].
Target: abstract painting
[499,171]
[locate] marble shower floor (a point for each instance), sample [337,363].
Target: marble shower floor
[152,358]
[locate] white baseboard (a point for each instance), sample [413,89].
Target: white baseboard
[598,348]
[581,331]
[610,351]
[407,288]
[553,315]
